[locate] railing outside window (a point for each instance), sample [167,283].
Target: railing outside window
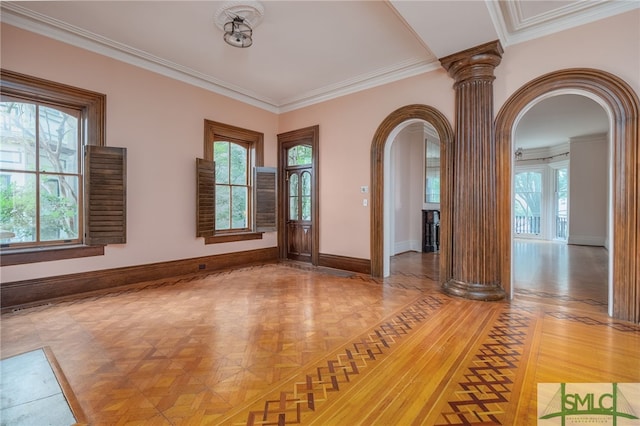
[527,225]
[561,227]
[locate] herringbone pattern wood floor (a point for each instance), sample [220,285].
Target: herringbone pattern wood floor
[288,344]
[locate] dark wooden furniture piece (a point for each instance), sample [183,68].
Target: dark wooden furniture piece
[430,231]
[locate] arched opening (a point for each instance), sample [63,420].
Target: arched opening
[622,105]
[383,137]
[561,207]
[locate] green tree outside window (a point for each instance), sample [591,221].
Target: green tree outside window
[40,176]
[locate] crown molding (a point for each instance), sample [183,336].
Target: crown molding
[29,20]
[379,77]
[597,137]
[26,19]
[513,28]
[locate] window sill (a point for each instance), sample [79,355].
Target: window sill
[48,254]
[216,239]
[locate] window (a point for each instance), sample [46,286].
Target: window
[299,161]
[528,202]
[432,171]
[231,161]
[541,196]
[433,186]
[226,185]
[561,202]
[59,199]
[299,155]
[42,180]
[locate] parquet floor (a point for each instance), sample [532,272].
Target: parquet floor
[287,344]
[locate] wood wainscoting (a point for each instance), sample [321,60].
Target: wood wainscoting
[27,293]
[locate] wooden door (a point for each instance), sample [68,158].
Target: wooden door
[298,201]
[299,207]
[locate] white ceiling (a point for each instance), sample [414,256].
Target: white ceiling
[555,120]
[304,52]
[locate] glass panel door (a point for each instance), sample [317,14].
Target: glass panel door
[561,202]
[528,204]
[299,224]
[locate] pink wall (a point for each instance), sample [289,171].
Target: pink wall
[347,127]
[347,124]
[160,121]
[588,179]
[611,45]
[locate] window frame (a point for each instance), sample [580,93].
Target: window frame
[92,107]
[40,175]
[214,132]
[555,167]
[545,201]
[248,186]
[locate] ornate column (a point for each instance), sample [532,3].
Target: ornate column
[476,263]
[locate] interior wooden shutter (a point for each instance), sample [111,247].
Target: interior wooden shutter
[265,184]
[106,189]
[205,197]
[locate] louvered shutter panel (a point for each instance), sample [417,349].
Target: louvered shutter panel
[205,197]
[265,199]
[106,189]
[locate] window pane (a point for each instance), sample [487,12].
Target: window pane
[306,183]
[562,202]
[293,208]
[528,202]
[18,207]
[58,207]
[239,208]
[223,207]
[58,141]
[306,196]
[299,155]
[238,164]
[293,197]
[306,208]
[17,136]
[433,189]
[232,192]
[562,180]
[293,184]
[221,158]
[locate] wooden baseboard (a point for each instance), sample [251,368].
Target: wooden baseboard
[38,291]
[362,266]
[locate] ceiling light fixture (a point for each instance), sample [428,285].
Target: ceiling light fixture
[237,33]
[238,19]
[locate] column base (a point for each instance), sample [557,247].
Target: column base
[485,292]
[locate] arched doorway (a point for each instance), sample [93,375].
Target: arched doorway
[385,133]
[622,105]
[561,205]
